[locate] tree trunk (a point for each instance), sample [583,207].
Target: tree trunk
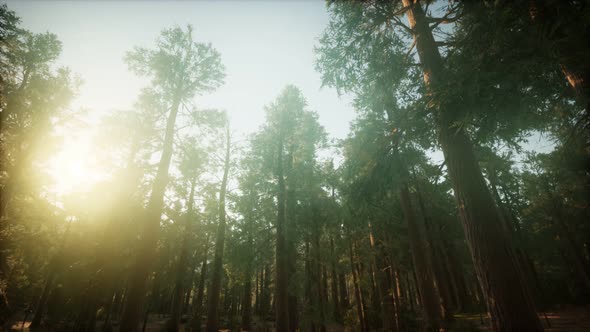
[247,303]
[247,306]
[432,315]
[51,276]
[309,298]
[191,285]
[357,292]
[508,299]
[344,304]
[213,294]
[281,256]
[174,322]
[360,270]
[151,228]
[375,285]
[435,261]
[319,289]
[198,302]
[266,300]
[291,242]
[41,305]
[334,283]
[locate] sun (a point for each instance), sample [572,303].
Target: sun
[75,168]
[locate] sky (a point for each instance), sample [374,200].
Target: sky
[264,46]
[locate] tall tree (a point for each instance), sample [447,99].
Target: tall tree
[215,288]
[179,68]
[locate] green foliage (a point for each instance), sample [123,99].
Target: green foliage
[179,65]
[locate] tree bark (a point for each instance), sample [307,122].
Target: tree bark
[508,299]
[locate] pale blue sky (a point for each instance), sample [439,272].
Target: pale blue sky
[264,46]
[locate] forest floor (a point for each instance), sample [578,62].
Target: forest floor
[573,319]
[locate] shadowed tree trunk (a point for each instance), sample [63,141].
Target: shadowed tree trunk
[281,256]
[432,316]
[179,287]
[357,292]
[317,275]
[247,300]
[334,283]
[344,303]
[291,241]
[198,302]
[213,293]
[507,297]
[435,260]
[42,303]
[151,228]
[50,279]
[189,290]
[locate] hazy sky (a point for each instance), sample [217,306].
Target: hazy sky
[264,46]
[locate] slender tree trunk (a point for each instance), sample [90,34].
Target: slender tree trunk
[266,300]
[247,306]
[257,294]
[357,292]
[281,256]
[319,289]
[508,299]
[410,295]
[42,303]
[344,303]
[179,287]
[198,302]
[435,261]
[387,301]
[213,294]
[291,241]
[151,228]
[51,276]
[432,315]
[360,272]
[189,290]
[309,298]
[456,276]
[375,285]
[334,282]
[247,303]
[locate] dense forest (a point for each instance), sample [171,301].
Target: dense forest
[288,229]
